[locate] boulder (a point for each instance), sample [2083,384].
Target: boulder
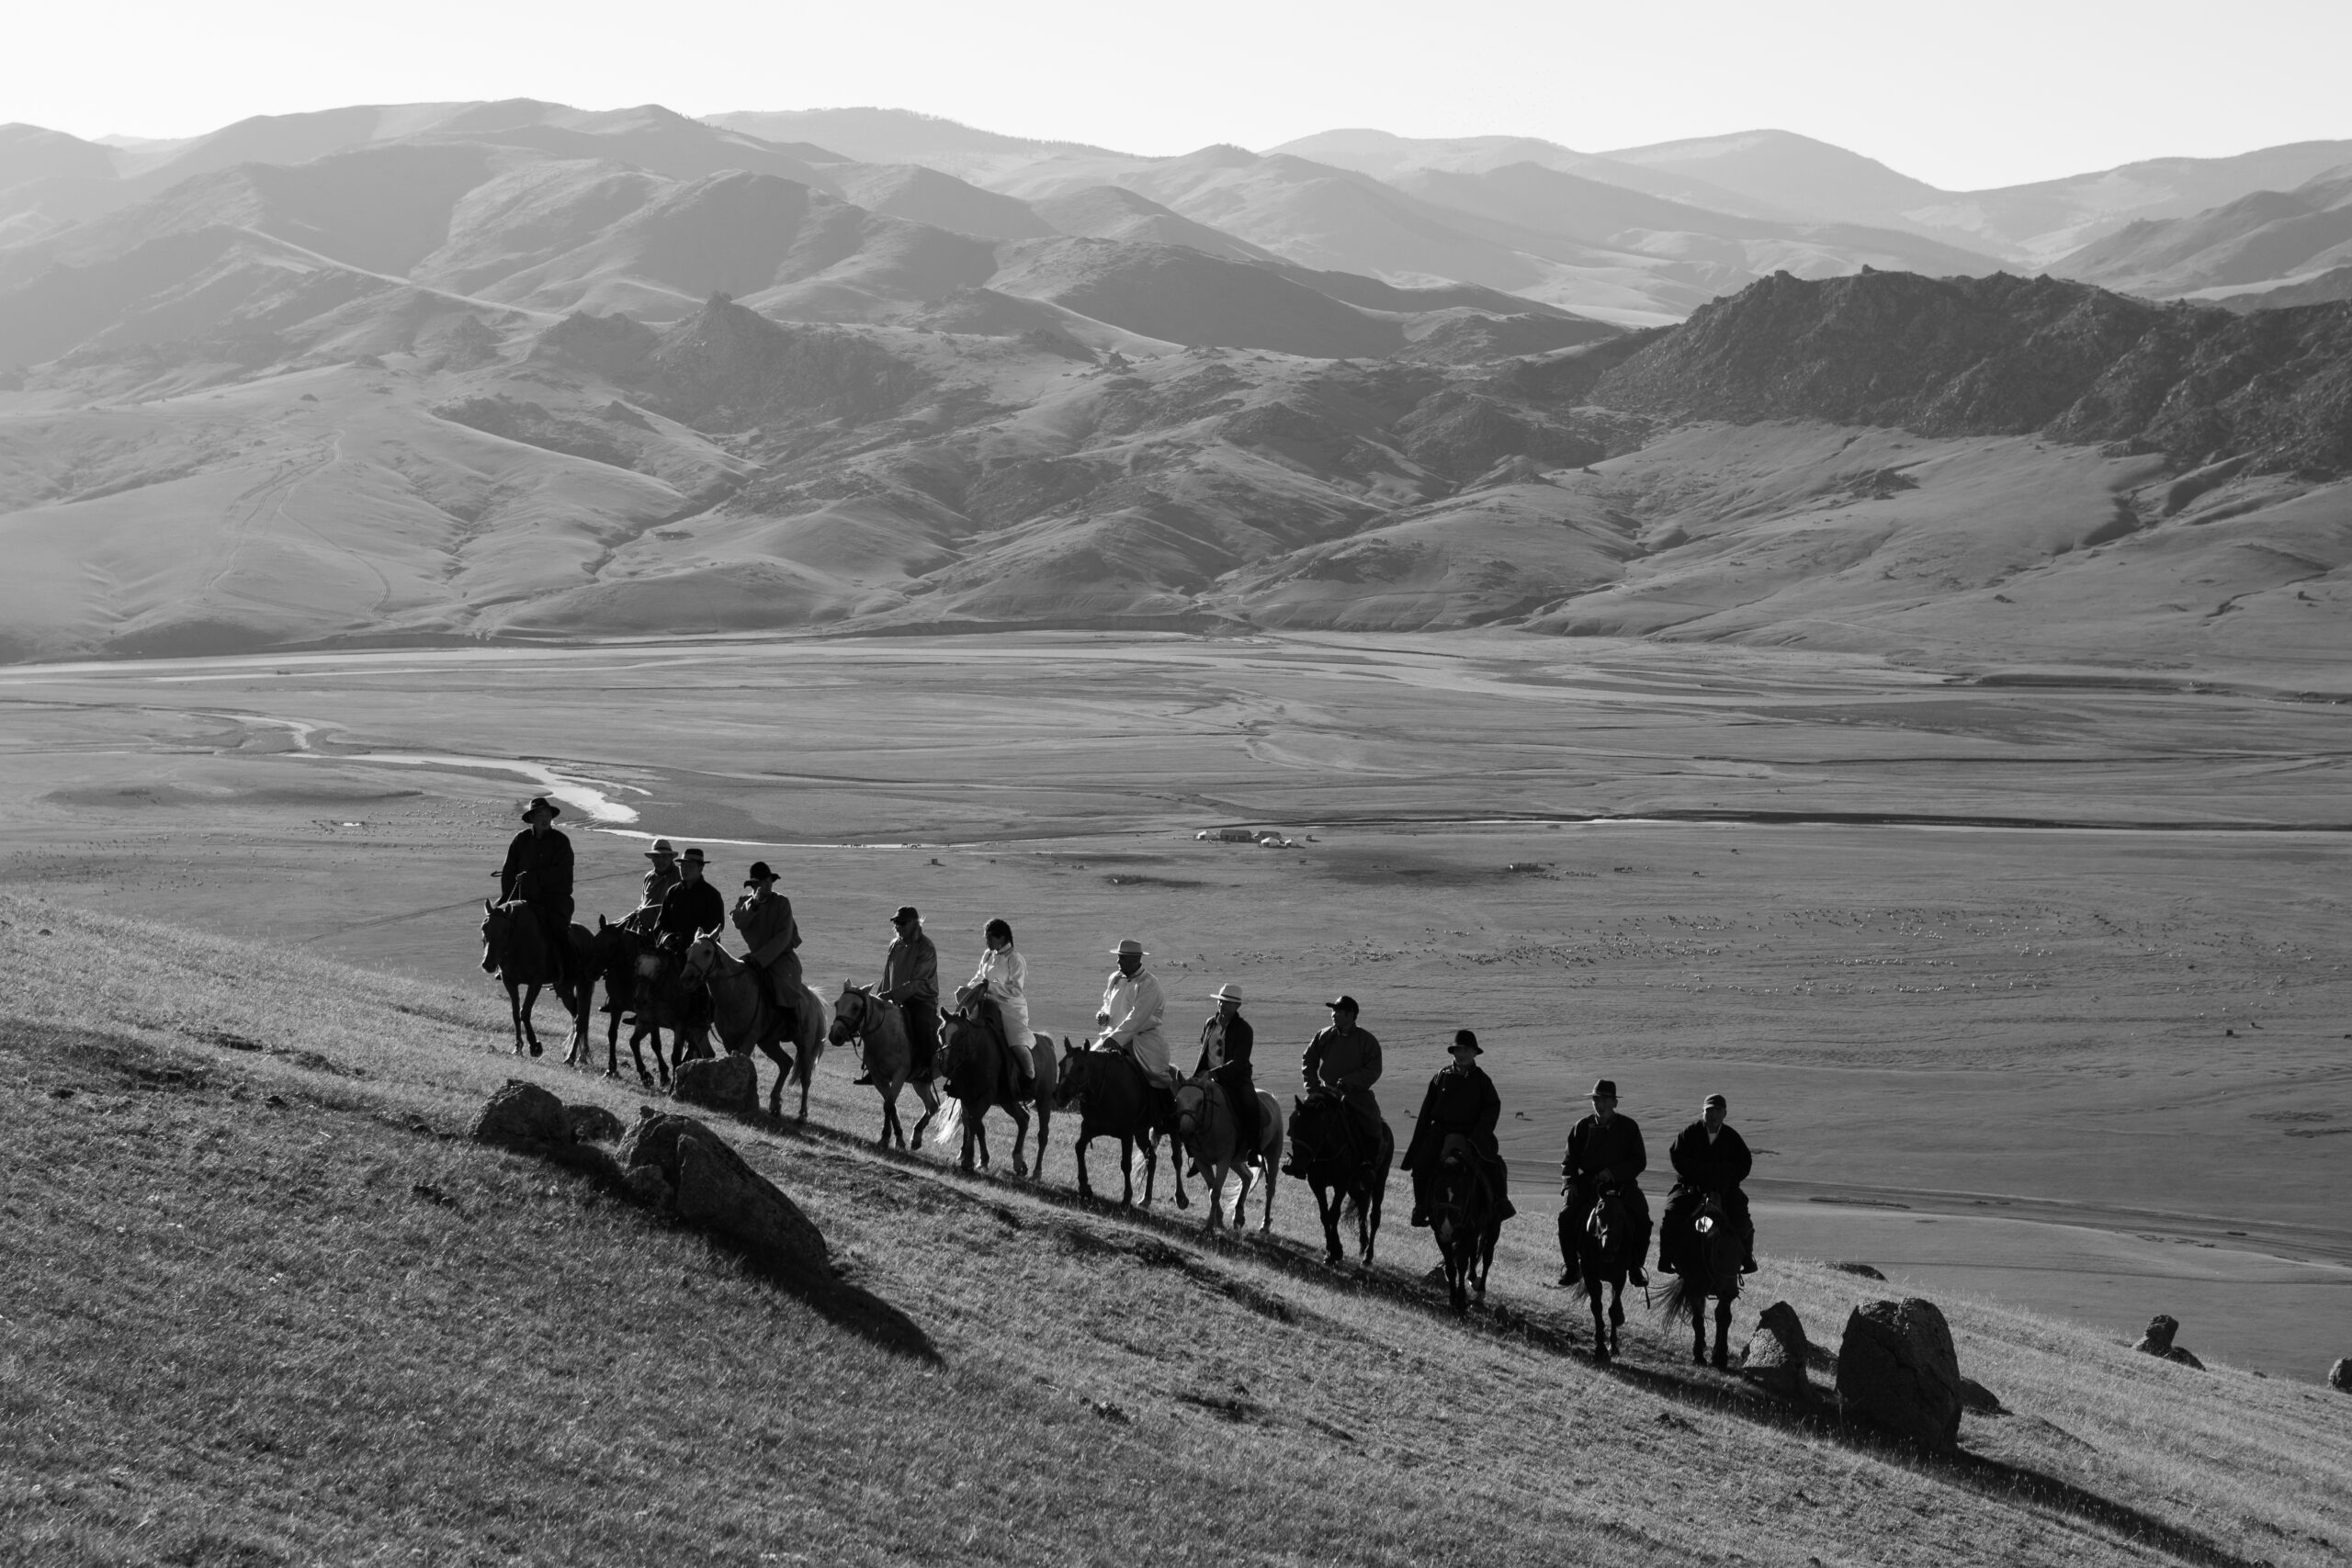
[2157,1341]
[723,1083]
[2339,1376]
[1897,1371]
[1864,1270]
[1776,1353]
[523,1116]
[594,1124]
[711,1186]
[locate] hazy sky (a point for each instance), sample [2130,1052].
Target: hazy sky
[1961,93]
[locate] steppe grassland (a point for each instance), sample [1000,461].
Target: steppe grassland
[259,1331]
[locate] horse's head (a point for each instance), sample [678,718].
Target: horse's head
[1192,1106]
[1607,1220]
[702,955]
[848,1014]
[493,936]
[1070,1081]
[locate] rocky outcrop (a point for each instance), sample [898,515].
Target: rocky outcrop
[2157,1341]
[1775,1356]
[2339,1376]
[677,1163]
[523,1116]
[728,1082]
[1897,1372]
[594,1124]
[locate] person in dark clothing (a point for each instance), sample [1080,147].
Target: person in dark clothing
[1605,1154]
[538,872]
[688,909]
[1709,1158]
[911,979]
[1344,1061]
[1226,1042]
[1461,1100]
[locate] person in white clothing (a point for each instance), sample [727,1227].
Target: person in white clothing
[1130,1017]
[1004,978]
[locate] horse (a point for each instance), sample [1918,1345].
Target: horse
[973,1073]
[1597,1239]
[1467,1221]
[624,958]
[880,1031]
[514,948]
[1205,1128]
[1114,1100]
[742,1013]
[1329,1153]
[1705,1261]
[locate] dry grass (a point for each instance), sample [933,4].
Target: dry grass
[325,1330]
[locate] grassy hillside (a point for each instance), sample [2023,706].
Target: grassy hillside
[270,1306]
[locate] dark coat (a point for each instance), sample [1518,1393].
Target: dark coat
[1238,1040]
[911,971]
[545,859]
[1615,1151]
[1348,1061]
[1461,1099]
[691,908]
[1705,1168]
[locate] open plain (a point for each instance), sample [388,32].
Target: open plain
[2027,986]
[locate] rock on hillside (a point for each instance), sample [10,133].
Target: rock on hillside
[2010,356]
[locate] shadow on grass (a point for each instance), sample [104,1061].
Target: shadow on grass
[849,1307]
[1715,1392]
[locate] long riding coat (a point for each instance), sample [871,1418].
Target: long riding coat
[771,938]
[1347,1059]
[540,864]
[911,971]
[1461,1099]
[1703,1167]
[1614,1151]
[1135,1006]
[1003,974]
[1226,1043]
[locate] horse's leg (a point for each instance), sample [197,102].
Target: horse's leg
[1326,1207]
[1272,1153]
[1151,1167]
[515,1010]
[1723,1333]
[890,1088]
[1127,1167]
[1044,1121]
[929,1097]
[1085,1187]
[1616,1311]
[530,1001]
[1176,1172]
[1019,1135]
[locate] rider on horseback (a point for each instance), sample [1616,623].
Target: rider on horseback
[660,877]
[688,909]
[1460,1102]
[771,940]
[1129,1019]
[1604,1155]
[1343,1061]
[1710,1161]
[538,872]
[1001,986]
[911,979]
[1226,1042]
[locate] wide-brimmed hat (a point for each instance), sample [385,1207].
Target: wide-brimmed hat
[1228,992]
[1716,1102]
[1336,1003]
[906,912]
[692,856]
[1465,1041]
[1604,1089]
[541,805]
[1130,948]
[662,850]
[758,873]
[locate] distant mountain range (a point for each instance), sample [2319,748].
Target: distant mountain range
[519,369]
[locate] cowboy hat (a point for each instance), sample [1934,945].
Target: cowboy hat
[662,850]
[1465,1041]
[1604,1089]
[906,912]
[694,855]
[758,874]
[540,803]
[1228,992]
[1129,947]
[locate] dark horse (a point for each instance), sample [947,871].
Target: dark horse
[1706,1263]
[1114,1100]
[880,1031]
[514,948]
[1466,1217]
[1595,1234]
[973,1070]
[1348,1170]
[625,959]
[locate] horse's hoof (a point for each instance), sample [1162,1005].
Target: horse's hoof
[535,1048]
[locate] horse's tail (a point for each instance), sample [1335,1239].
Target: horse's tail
[1680,1300]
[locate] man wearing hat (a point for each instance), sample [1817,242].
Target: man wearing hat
[1461,1101]
[1129,1017]
[771,941]
[660,877]
[911,979]
[1708,1157]
[1604,1154]
[691,908]
[538,872]
[1226,1042]
[1345,1060]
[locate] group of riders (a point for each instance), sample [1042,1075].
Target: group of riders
[1460,1110]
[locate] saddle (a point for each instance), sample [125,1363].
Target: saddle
[1491,1173]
